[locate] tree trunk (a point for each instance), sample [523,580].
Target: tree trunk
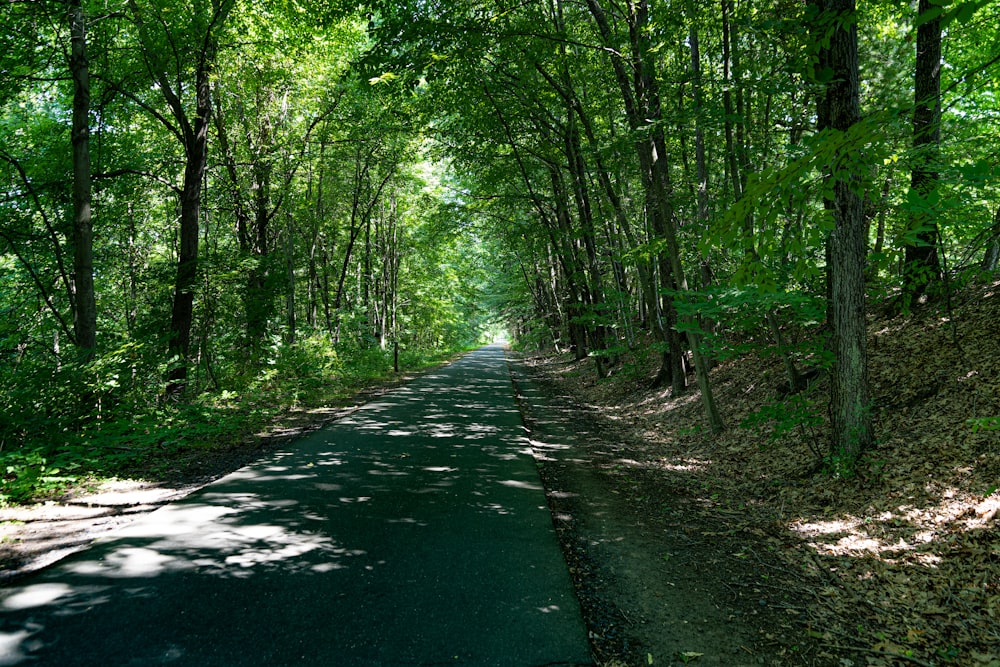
[362,187]
[732,154]
[182,313]
[699,133]
[652,152]
[642,104]
[922,266]
[791,372]
[194,138]
[366,280]
[260,295]
[575,110]
[992,254]
[290,322]
[850,406]
[578,175]
[85,314]
[701,162]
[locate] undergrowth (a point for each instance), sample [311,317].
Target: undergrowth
[74,425]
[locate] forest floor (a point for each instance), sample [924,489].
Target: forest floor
[750,535]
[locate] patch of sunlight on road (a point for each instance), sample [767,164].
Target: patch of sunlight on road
[175,520]
[128,562]
[10,647]
[36,595]
[513,483]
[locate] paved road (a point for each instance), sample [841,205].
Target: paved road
[414,532]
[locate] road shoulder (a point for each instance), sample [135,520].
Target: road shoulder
[660,581]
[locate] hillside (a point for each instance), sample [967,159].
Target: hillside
[898,564]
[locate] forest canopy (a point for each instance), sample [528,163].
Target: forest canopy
[213,210]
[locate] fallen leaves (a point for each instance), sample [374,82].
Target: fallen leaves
[902,561]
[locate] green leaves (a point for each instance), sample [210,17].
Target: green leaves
[984,424]
[961,12]
[385,78]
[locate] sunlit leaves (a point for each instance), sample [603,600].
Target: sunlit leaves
[961,12]
[385,78]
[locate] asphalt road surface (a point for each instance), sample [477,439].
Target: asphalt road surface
[413,532]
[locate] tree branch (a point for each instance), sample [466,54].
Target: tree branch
[44,293]
[56,246]
[137,172]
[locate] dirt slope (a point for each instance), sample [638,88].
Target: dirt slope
[896,565]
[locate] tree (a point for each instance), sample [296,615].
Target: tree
[922,266]
[165,43]
[85,304]
[641,96]
[850,406]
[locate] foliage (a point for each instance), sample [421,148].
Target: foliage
[317,254]
[984,424]
[409,175]
[116,432]
[744,310]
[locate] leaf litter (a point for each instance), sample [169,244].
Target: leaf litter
[895,564]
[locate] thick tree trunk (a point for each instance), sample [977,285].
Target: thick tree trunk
[922,266]
[182,312]
[85,313]
[992,256]
[850,406]
[259,294]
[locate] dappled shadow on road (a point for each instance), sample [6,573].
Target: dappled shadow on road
[365,543]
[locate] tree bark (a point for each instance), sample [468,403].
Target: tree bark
[922,266]
[85,312]
[182,313]
[850,406]
[992,254]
